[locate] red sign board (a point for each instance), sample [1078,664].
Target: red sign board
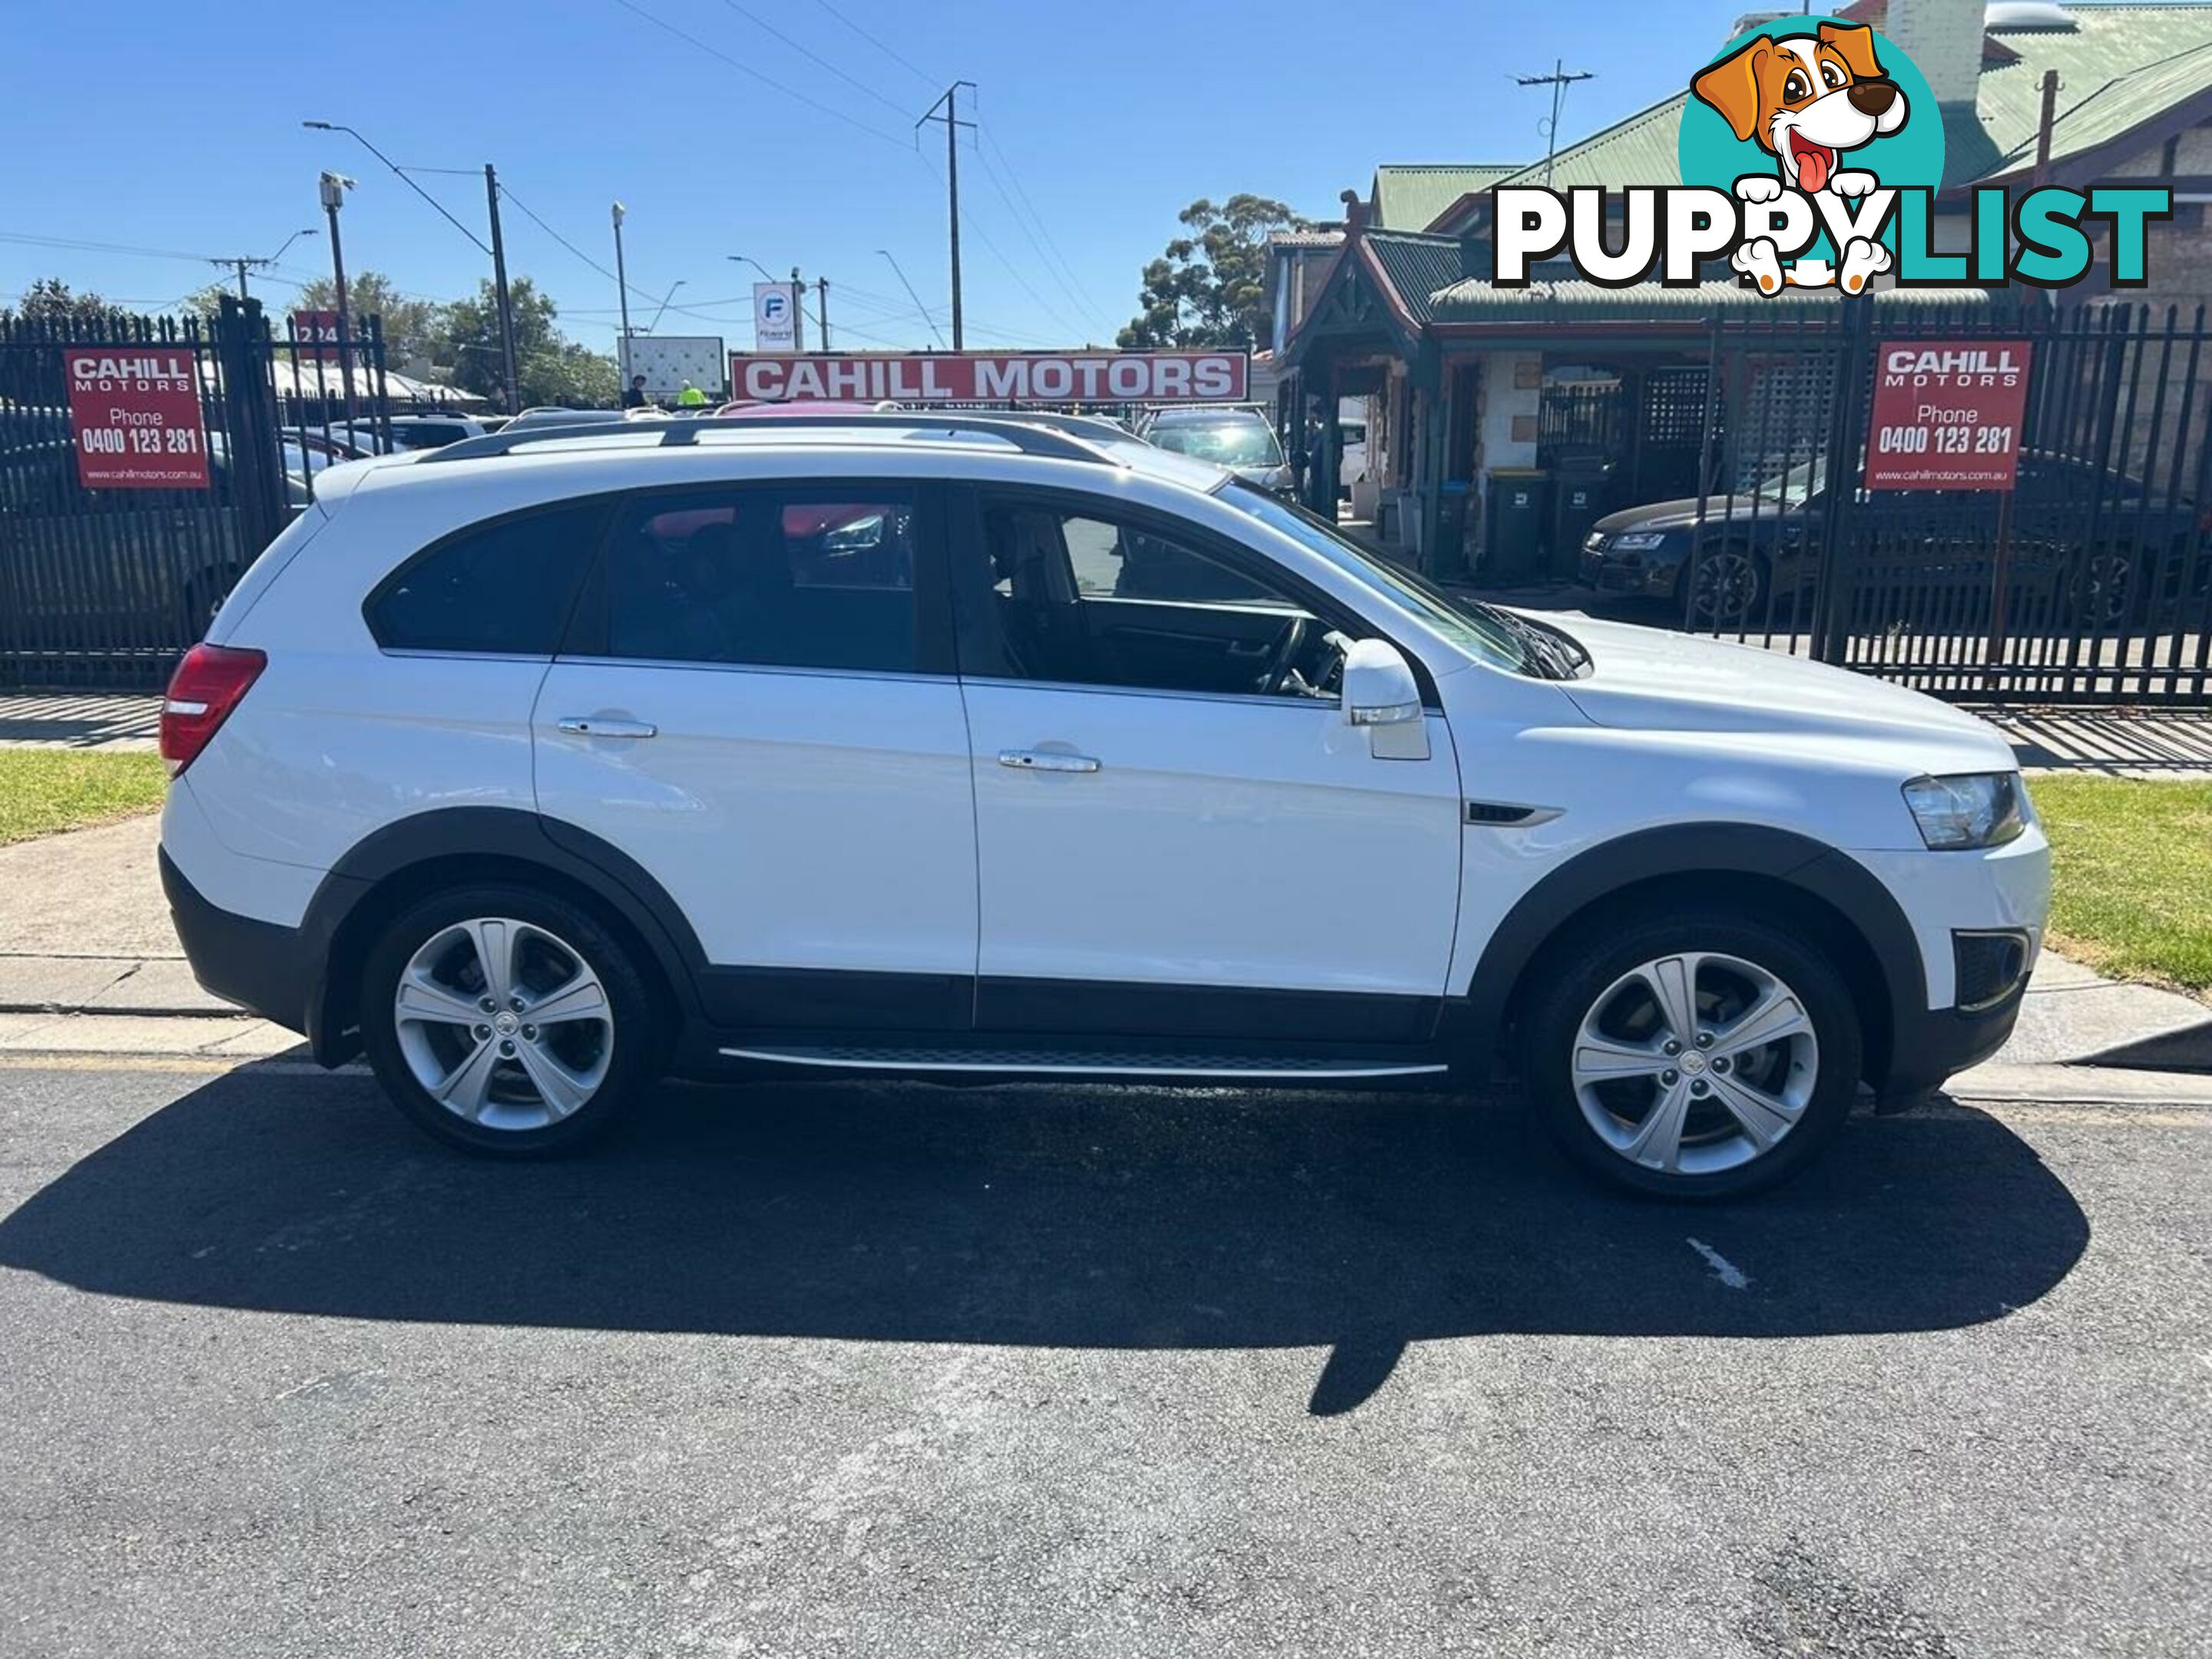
[134,412]
[993,377]
[315,333]
[1946,414]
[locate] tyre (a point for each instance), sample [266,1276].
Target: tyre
[508,1020]
[1691,1053]
[1728,585]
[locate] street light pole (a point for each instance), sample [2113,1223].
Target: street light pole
[622,283]
[797,310]
[496,250]
[242,263]
[822,308]
[334,187]
[928,321]
[665,299]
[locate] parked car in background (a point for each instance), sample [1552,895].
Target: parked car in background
[141,570]
[537,772]
[1239,438]
[2085,543]
[432,431]
[553,415]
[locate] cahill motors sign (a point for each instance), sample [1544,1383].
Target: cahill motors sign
[135,415]
[1946,414]
[995,377]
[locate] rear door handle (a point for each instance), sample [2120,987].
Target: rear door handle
[1045,760]
[580,726]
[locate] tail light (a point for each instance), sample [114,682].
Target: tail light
[210,682]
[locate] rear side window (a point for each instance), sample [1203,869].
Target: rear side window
[503,588]
[820,577]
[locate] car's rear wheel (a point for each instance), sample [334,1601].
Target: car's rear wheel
[1693,1054]
[507,1020]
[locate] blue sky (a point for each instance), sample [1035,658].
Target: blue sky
[176,127]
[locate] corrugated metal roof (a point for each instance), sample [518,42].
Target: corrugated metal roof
[1643,149]
[1476,301]
[2119,66]
[1412,196]
[1418,266]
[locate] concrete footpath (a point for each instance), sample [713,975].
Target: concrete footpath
[89,964]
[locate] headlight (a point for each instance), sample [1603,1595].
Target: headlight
[1967,809]
[1637,541]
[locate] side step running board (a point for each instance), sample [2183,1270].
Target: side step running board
[1060,1062]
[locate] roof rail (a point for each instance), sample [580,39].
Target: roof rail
[679,431]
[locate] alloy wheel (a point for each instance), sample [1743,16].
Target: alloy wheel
[1726,586]
[504,1024]
[1695,1063]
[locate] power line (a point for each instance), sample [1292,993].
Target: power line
[768,80]
[1035,247]
[813,56]
[1014,178]
[919,74]
[76,245]
[1012,269]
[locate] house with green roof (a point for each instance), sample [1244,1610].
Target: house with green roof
[1465,380]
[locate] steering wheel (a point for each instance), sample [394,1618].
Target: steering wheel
[1288,649]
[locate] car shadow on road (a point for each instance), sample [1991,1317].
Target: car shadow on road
[1085,1216]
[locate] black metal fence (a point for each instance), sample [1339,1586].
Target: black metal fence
[105,587]
[2089,581]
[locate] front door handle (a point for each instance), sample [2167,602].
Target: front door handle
[1046,760]
[581,725]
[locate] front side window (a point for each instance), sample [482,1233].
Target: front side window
[769,576]
[503,588]
[1084,596]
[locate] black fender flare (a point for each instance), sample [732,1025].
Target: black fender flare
[1692,850]
[510,834]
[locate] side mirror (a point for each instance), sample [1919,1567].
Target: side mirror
[1381,693]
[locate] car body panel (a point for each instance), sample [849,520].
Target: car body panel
[861,825]
[799,819]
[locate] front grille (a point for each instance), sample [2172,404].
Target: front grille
[1990,966]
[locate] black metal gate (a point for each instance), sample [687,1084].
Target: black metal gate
[2091,582]
[107,587]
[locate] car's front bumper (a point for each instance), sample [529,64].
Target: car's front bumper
[1948,898]
[1615,575]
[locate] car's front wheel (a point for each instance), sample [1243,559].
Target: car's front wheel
[507,1020]
[1693,1054]
[1727,586]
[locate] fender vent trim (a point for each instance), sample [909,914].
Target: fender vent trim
[1508,815]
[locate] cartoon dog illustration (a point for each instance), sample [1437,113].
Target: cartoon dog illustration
[1806,99]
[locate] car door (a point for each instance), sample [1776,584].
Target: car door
[755,707]
[1177,832]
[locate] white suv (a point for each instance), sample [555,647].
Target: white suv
[551,763]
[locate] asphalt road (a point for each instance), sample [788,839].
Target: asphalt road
[837,1370]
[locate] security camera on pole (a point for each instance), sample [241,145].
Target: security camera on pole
[334,187]
[621,290]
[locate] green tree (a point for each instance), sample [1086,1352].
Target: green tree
[1209,289]
[204,302]
[414,329]
[50,300]
[548,368]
